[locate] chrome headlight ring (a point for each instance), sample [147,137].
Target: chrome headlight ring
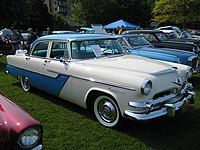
[189,73]
[29,137]
[146,87]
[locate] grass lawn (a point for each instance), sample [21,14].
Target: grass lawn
[67,126]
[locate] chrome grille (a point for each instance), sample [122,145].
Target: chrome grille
[161,95]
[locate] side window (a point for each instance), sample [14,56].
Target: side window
[150,37]
[59,49]
[82,50]
[40,49]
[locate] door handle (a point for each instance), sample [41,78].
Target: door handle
[47,61]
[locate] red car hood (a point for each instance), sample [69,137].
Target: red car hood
[13,119]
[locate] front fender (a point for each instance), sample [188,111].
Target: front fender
[100,90]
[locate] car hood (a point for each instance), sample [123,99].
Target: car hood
[127,70]
[180,43]
[13,118]
[169,51]
[131,63]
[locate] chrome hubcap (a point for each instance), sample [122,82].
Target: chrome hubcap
[25,82]
[107,111]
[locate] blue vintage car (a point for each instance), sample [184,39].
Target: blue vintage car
[139,45]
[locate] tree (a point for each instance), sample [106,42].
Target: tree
[37,15]
[24,14]
[12,13]
[103,11]
[182,12]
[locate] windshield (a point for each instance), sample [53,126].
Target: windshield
[185,35]
[137,41]
[96,48]
[162,37]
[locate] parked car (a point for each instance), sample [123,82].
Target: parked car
[139,45]
[159,39]
[5,45]
[186,37]
[18,129]
[174,28]
[95,72]
[63,32]
[86,30]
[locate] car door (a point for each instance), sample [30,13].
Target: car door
[56,70]
[35,63]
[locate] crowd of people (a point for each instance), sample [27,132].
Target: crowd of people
[16,40]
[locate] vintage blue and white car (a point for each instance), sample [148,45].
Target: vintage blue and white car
[139,45]
[95,72]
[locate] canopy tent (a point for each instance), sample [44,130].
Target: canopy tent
[120,23]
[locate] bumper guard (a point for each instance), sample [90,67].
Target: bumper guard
[162,106]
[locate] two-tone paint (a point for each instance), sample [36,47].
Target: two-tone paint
[116,78]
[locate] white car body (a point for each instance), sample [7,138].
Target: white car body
[115,85]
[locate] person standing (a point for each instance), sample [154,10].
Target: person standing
[15,39]
[31,37]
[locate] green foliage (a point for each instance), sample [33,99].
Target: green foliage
[177,11]
[103,11]
[24,14]
[59,21]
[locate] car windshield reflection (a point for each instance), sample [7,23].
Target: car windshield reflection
[162,37]
[96,48]
[136,41]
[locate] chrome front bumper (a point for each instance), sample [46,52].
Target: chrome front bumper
[167,105]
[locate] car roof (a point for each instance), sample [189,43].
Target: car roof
[73,37]
[169,31]
[62,31]
[128,35]
[142,31]
[78,36]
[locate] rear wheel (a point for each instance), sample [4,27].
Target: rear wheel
[25,83]
[107,111]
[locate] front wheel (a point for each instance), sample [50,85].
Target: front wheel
[25,83]
[107,111]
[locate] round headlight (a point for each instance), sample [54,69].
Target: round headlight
[189,73]
[29,137]
[146,87]
[179,60]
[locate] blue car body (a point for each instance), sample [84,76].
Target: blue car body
[146,52]
[139,45]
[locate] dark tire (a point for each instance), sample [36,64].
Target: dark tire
[107,111]
[25,83]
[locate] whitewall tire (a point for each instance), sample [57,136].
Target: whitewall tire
[25,83]
[107,111]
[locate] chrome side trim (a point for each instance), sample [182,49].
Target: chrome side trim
[170,70]
[103,82]
[53,71]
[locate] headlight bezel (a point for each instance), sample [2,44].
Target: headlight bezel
[189,73]
[146,87]
[30,129]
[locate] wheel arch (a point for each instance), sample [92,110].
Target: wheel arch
[97,91]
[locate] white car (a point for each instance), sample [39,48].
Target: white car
[94,71]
